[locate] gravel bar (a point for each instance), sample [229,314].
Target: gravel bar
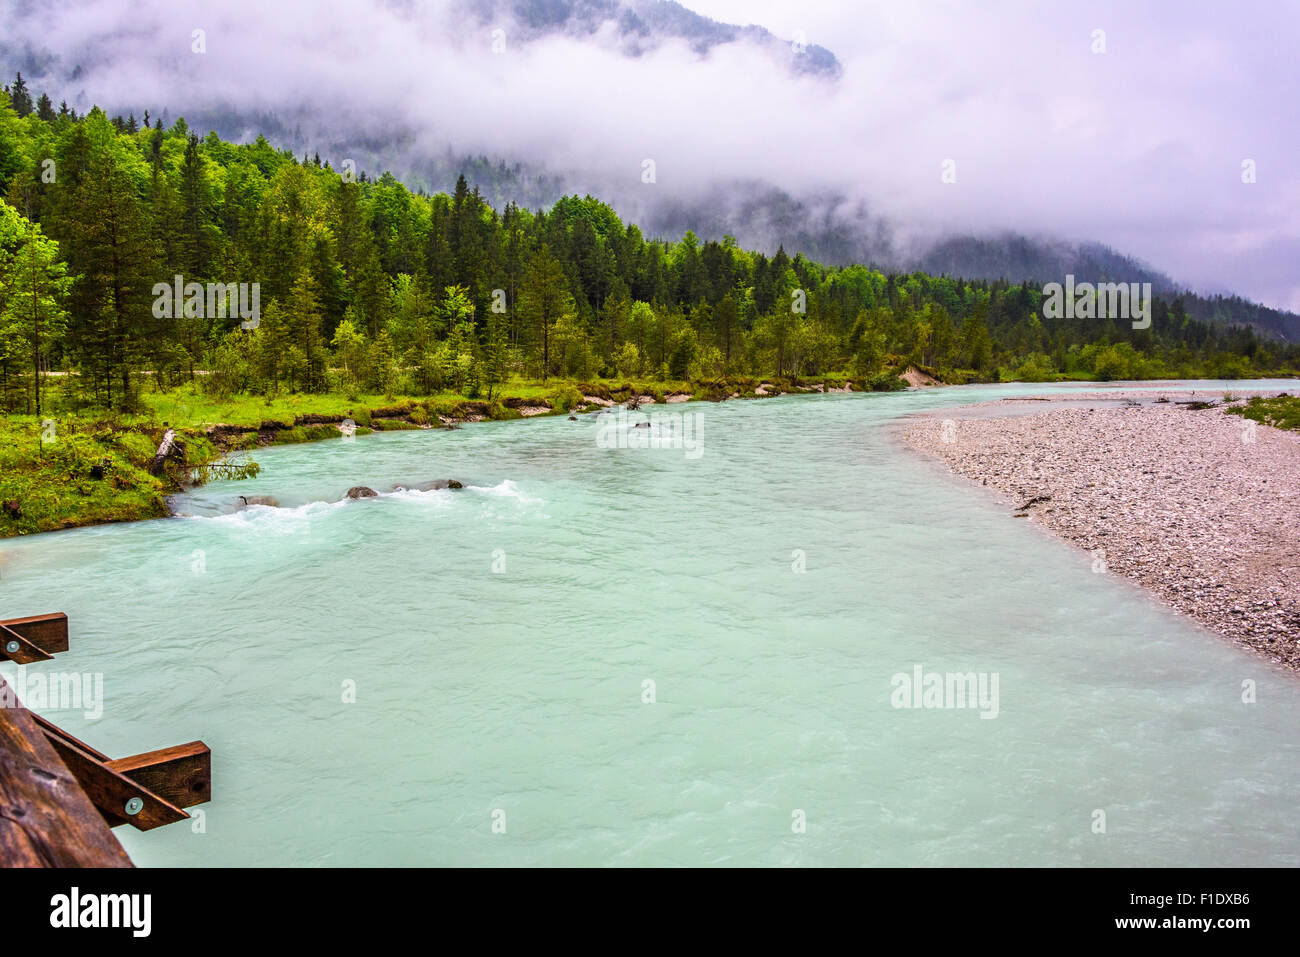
[1197,505]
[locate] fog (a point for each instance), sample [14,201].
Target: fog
[1140,146]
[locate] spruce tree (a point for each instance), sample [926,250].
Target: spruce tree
[19,98]
[543,300]
[107,241]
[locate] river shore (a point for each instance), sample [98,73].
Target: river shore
[70,471]
[1199,506]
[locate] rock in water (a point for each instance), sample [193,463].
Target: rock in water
[361,491]
[270,500]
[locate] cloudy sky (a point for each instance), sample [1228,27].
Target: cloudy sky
[1140,147]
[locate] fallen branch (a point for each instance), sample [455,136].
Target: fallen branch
[164,450]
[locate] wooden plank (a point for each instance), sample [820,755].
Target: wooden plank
[47,632]
[55,731]
[14,647]
[181,774]
[110,790]
[46,820]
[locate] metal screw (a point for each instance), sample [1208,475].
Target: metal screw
[12,647]
[134,806]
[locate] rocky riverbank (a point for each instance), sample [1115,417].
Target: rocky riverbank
[1199,506]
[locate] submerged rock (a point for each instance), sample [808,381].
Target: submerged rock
[361,491]
[439,483]
[270,500]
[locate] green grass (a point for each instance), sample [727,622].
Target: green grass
[84,471]
[1281,412]
[188,407]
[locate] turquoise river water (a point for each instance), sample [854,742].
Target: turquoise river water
[623,656]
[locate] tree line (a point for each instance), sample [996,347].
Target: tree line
[368,286]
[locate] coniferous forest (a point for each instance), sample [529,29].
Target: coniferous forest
[363,286]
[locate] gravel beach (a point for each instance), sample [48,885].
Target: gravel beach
[1200,506]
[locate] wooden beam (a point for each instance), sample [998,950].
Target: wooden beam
[46,820]
[181,775]
[47,632]
[112,792]
[14,647]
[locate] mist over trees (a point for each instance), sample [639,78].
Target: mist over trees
[367,286]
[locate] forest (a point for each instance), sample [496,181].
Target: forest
[367,287]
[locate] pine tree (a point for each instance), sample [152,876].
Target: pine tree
[303,318]
[106,237]
[33,286]
[164,207]
[45,109]
[495,352]
[19,98]
[542,301]
[197,231]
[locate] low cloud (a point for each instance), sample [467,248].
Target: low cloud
[1139,147]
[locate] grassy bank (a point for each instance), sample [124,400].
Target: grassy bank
[1281,412]
[65,471]
[74,469]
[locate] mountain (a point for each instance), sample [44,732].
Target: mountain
[643,25]
[1015,257]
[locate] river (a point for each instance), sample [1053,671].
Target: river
[623,656]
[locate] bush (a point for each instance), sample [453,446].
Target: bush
[628,360]
[562,400]
[1036,368]
[1113,364]
[229,372]
[886,381]
[1233,367]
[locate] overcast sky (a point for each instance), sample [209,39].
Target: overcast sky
[1140,147]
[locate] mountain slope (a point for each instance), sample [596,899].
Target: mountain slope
[642,25]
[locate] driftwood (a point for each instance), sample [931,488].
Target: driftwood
[164,450]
